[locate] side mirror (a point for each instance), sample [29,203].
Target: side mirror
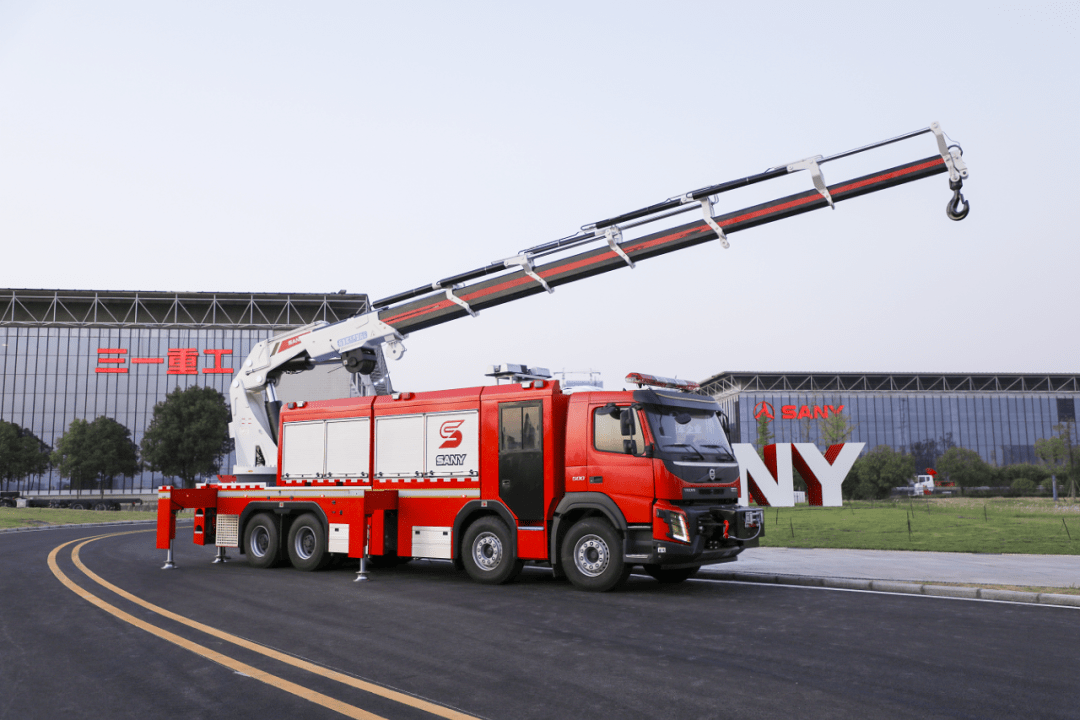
[627,425]
[629,446]
[724,423]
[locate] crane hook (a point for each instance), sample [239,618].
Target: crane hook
[957,208]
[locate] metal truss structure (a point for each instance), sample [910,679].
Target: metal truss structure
[727,384]
[254,311]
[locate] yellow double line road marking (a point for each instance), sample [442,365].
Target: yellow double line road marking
[299,690]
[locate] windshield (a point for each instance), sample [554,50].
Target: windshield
[690,435]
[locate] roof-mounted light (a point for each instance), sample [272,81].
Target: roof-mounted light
[641,379]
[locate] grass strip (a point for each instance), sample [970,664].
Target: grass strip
[994,525]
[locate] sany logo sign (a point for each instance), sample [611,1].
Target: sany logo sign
[795,412]
[449,430]
[771,482]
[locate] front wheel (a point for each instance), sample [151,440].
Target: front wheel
[488,553]
[670,576]
[307,544]
[261,543]
[592,556]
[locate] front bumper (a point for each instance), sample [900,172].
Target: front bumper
[707,545]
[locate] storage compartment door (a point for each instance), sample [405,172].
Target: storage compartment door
[399,446]
[453,441]
[303,450]
[348,448]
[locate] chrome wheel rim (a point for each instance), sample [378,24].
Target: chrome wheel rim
[592,555]
[487,551]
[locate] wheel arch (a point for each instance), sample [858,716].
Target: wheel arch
[577,506]
[470,513]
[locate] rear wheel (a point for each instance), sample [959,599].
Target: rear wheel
[671,575]
[307,544]
[487,552]
[261,541]
[77,505]
[101,506]
[592,556]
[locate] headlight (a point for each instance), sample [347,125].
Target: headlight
[676,523]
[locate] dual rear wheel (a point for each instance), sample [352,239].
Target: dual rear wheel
[305,545]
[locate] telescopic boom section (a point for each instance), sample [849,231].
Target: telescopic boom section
[519,277]
[600,248]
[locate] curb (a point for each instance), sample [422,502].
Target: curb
[892,586]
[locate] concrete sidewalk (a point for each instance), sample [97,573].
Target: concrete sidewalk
[917,567]
[920,573]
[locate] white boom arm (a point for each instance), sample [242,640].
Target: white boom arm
[254,426]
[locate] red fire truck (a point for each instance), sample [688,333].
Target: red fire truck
[591,484]
[491,477]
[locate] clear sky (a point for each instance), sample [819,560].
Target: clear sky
[311,147]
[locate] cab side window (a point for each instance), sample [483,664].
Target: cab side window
[607,436]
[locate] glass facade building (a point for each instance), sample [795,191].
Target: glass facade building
[86,354]
[999,416]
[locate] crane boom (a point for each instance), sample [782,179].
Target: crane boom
[358,341]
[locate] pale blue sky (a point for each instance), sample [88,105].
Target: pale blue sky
[308,147]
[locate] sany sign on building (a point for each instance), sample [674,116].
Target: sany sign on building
[796,412]
[770,481]
[180,361]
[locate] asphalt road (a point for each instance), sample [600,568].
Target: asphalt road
[423,641]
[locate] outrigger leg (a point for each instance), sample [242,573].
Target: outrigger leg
[362,575]
[221,557]
[169,564]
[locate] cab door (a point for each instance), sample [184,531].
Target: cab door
[625,477]
[521,459]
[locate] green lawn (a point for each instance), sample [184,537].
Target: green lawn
[40,517]
[994,525]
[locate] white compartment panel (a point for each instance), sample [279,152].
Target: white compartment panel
[302,449]
[348,448]
[399,446]
[431,542]
[453,440]
[339,538]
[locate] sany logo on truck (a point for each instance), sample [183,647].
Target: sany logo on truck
[449,430]
[789,412]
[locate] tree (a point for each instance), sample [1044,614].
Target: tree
[926,452]
[188,435]
[93,453]
[22,453]
[835,429]
[878,472]
[1057,453]
[764,434]
[965,467]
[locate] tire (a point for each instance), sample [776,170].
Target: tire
[101,506]
[670,576]
[307,544]
[77,506]
[262,545]
[592,556]
[487,552]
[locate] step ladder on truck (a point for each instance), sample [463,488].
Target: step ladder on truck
[591,484]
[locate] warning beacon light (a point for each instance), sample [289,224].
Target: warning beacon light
[641,379]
